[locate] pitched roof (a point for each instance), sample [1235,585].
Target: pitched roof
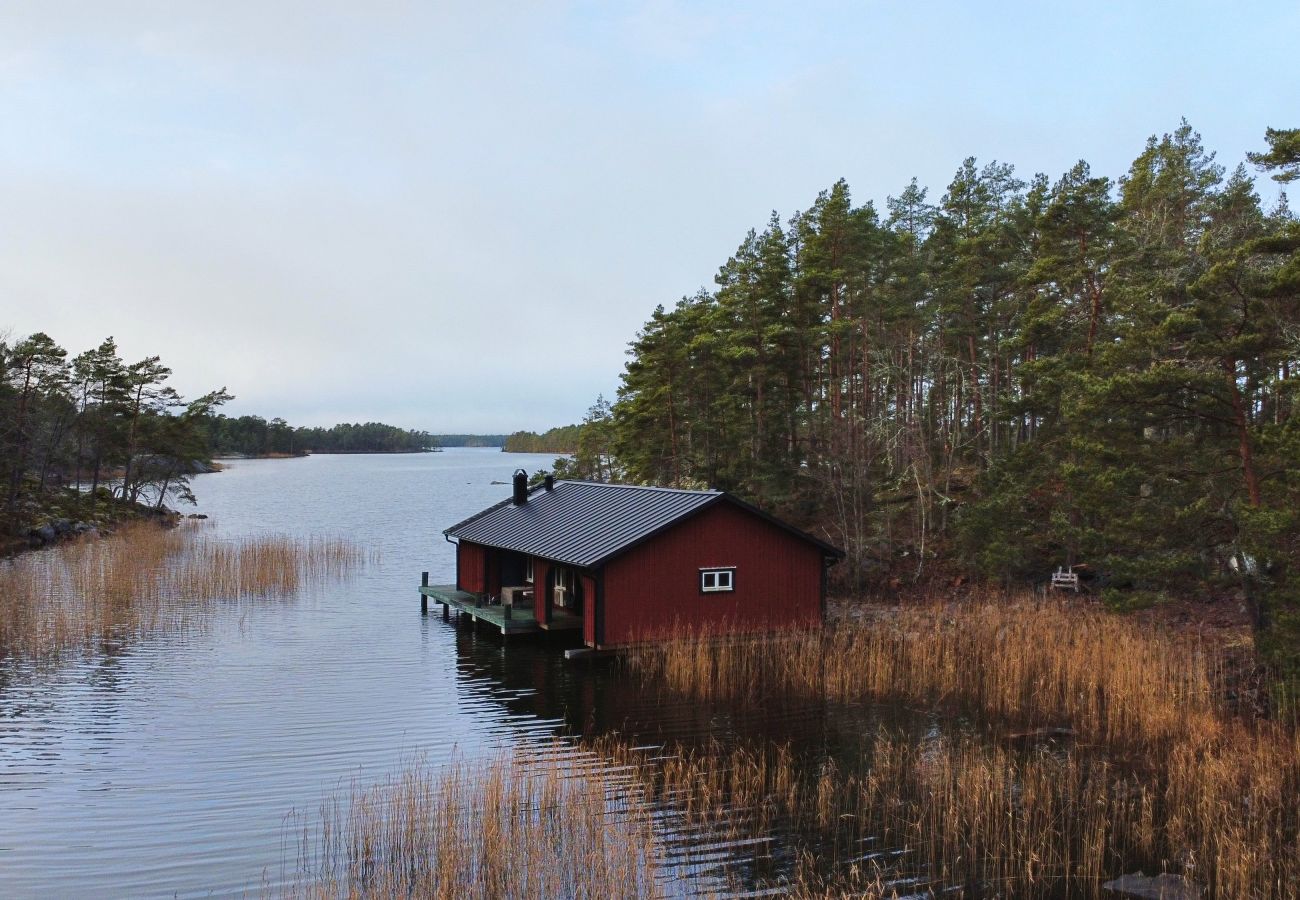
[585,523]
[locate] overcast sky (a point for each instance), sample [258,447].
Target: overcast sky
[454,216]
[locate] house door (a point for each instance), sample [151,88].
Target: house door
[567,591]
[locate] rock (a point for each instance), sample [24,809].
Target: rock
[82,527]
[62,526]
[45,534]
[197,516]
[1165,886]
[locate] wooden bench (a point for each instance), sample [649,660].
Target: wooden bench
[1063,580]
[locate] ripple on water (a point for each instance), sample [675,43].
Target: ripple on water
[176,765]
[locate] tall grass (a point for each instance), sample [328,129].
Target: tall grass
[145,579]
[970,812]
[1025,664]
[551,828]
[951,815]
[956,813]
[1156,773]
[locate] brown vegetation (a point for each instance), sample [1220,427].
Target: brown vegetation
[958,812]
[1023,664]
[144,579]
[552,828]
[1160,773]
[1147,767]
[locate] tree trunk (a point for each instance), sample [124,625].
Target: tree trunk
[1243,433]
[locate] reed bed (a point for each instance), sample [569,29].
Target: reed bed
[1148,768]
[553,828]
[145,579]
[957,815]
[1024,664]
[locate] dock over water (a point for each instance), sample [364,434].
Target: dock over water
[509,620]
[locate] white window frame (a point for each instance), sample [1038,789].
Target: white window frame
[564,581]
[718,580]
[528,571]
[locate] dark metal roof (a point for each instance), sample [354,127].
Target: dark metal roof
[585,523]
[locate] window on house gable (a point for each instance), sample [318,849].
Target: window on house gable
[528,570]
[716,581]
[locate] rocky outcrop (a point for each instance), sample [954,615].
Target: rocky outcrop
[57,530]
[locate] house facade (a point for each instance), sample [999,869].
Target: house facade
[629,563]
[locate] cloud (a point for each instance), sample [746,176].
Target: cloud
[457,215]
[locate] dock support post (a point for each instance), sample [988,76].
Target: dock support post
[446,611]
[424,598]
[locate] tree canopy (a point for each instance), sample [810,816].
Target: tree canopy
[74,422]
[1018,374]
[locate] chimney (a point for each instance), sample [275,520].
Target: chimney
[550,482]
[521,487]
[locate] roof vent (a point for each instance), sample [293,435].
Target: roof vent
[549,483]
[521,487]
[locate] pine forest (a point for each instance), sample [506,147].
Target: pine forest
[1010,377]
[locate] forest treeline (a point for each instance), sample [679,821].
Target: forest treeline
[470,440]
[92,437]
[70,424]
[562,439]
[255,436]
[1015,375]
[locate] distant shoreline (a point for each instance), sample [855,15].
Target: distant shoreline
[323,453]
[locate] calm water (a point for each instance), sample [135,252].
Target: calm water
[174,766]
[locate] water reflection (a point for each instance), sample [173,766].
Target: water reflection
[170,765]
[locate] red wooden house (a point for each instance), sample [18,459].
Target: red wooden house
[627,563]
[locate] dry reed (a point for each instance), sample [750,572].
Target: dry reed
[145,579]
[1024,664]
[551,828]
[1159,774]
[951,815]
[956,814]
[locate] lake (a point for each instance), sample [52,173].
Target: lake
[179,765]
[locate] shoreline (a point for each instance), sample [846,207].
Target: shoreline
[306,453]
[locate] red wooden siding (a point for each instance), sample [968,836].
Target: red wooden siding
[588,609]
[541,571]
[470,567]
[655,588]
[493,572]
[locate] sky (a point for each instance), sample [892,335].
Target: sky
[455,216]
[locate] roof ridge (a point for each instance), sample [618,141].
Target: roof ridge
[643,487]
[586,523]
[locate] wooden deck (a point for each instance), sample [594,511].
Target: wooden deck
[508,620]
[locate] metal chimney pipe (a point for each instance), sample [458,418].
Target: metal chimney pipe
[550,482]
[521,487]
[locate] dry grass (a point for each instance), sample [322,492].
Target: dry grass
[1159,774]
[1024,664]
[496,829]
[956,813]
[952,815]
[145,579]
